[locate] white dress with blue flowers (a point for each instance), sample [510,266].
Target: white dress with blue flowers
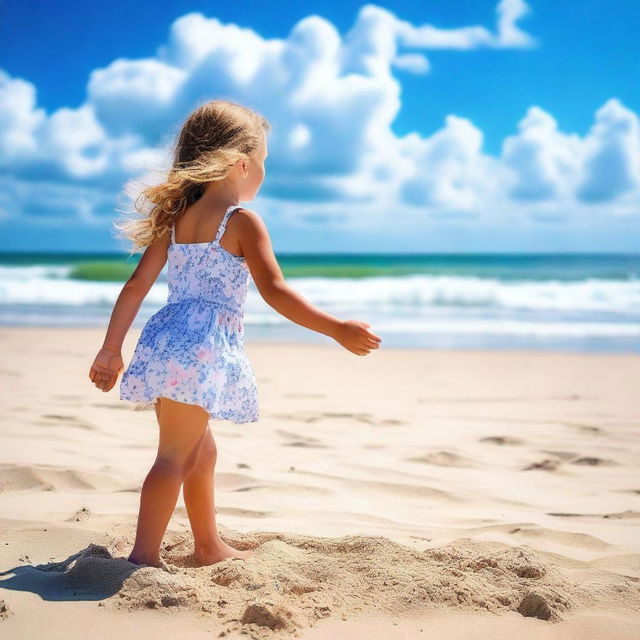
[192,349]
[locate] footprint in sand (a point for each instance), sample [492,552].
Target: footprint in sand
[5,612]
[71,421]
[622,515]
[544,465]
[563,455]
[443,459]
[297,440]
[501,440]
[593,461]
[587,428]
[583,460]
[366,418]
[306,445]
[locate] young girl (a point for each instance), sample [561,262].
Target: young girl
[190,363]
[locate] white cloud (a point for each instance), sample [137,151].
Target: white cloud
[451,173]
[560,169]
[546,161]
[19,119]
[414,62]
[332,101]
[77,139]
[508,34]
[612,150]
[135,96]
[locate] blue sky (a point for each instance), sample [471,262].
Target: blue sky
[405,126]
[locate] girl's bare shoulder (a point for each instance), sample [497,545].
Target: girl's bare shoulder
[249,221]
[243,212]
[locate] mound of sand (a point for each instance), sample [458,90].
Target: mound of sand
[292,581]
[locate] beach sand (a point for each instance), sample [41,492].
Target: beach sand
[406,494]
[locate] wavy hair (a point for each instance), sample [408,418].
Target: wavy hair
[212,139]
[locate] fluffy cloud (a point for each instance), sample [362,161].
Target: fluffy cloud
[135,96]
[332,100]
[545,161]
[19,119]
[555,168]
[612,155]
[450,169]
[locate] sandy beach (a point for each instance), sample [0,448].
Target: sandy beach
[407,494]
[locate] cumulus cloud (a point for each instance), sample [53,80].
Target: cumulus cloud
[332,101]
[450,169]
[612,154]
[546,161]
[560,168]
[135,96]
[20,119]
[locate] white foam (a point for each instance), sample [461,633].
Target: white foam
[23,285]
[404,304]
[417,292]
[50,285]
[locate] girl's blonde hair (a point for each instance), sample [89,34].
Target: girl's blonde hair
[213,138]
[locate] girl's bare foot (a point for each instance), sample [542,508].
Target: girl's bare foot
[219,552]
[142,561]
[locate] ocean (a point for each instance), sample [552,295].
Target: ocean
[573,302]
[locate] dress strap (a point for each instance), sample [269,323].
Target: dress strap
[173,233]
[223,224]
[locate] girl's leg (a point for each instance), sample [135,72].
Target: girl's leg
[182,427]
[198,493]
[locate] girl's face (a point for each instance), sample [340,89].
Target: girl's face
[254,173]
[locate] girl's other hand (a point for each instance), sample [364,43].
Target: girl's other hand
[356,337]
[106,368]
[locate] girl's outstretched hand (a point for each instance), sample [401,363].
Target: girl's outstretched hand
[356,337]
[106,368]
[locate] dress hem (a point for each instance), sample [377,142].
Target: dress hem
[148,405]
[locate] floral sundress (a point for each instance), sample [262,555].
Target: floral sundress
[192,349]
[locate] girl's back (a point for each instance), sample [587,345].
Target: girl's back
[207,271]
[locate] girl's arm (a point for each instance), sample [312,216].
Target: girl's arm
[256,247]
[108,363]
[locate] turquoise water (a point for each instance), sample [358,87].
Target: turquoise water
[505,267]
[571,301]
